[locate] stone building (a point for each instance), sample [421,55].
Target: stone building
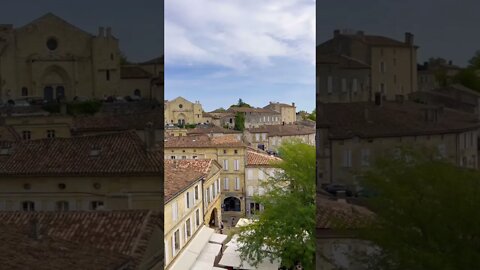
[270,137]
[192,205]
[180,111]
[393,63]
[255,117]
[259,167]
[113,240]
[108,171]
[432,75]
[343,79]
[359,133]
[228,152]
[50,58]
[287,112]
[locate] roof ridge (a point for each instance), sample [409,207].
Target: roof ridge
[140,233]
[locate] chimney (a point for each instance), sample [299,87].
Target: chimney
[336,33]
[378,98]
[409,38]
[450,62]
[293,104]
[35,229]
[109,32]
[149,136]
[101,31]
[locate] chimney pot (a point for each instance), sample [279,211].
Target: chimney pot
[109,32]
[409,38]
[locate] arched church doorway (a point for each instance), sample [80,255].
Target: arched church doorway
[55,81]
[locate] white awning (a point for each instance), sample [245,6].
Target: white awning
[231,257]
[192,251]
[217,238]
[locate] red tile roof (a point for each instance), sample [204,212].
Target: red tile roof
[21,251]
[120,154]
[180,174]
[333,214]
[256,159]
[127,232]
[283,130]
[212,129]
[391,119]
[203,141]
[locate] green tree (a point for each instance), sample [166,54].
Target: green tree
[241,104]
[239,121]
[426,213]
[469,78]
[287,224]
[474,62]
[124,59]
[313,115]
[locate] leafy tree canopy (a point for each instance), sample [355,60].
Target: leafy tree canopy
[241,103]
[287,224]
[239,121]
[426,213]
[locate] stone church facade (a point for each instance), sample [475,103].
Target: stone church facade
[49,58]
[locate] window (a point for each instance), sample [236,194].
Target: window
[207,198]
[249,191]
[344,85]
[237,183]
[382,88]
[365,157]
[52,44]
[354,85]
[187,199]
[236,164]
[264,136]
[329,84]
[180,106]
[196,193]
[347,158]
[194,157]
[257,137]
[172,157]
[218,185]
[225,164]
[96,205]
[174,211]
[188,231]
[184,157]
[61,206]
[210,193]
[260,174]
[197,217]
[26,134]
[107,74]
[28,206]
[249,174]
[232,204]
[51,133]
[382,67]
[225,184]
[224,151]
[214,189]
[24,91]
[176,241]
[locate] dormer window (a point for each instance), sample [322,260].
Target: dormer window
[95,151]
[4,151]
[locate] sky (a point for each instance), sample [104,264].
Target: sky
[218,51]
[442,28]
[139,27]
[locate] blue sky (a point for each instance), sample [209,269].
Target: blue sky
[139,27]
[219,51]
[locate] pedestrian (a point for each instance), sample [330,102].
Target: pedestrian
[233,221]
[221,227]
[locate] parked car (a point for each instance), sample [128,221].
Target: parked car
[20,103]
[334,188]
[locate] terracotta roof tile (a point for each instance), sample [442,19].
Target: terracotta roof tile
[260,159]
[21,251]
[202,141]
[212,129]
[283,130]
[333,214]
[124,232]
[119,154]
[367,120]
[180,174]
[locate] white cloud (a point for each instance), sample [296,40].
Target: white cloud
[239,33]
